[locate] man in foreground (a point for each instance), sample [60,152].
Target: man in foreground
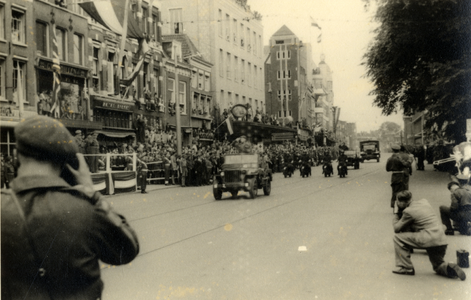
[55,227]
[419,228]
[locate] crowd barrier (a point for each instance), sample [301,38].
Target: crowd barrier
[117,173]
[110,178]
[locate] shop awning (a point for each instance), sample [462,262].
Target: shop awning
[116,134]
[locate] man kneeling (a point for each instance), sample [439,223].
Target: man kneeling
[419,227]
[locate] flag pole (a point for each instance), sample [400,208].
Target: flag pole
[123,37]
[177,104]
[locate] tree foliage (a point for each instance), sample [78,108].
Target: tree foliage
[420,60]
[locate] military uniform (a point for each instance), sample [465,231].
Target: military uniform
[400,173]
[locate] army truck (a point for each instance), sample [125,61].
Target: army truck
[242,172]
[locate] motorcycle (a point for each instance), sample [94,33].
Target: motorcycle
[342,170]
[305,169]
[327,169]
[288,170]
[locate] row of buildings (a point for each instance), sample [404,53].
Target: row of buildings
[213,48]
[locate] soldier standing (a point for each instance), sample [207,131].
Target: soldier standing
[80,141]
[400,172]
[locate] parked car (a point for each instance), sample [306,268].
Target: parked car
[242,172]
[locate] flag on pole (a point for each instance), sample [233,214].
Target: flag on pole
[144,49]
[319,38]
[56,68]
[230,129]
[314,23]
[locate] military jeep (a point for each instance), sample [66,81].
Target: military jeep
[242,172]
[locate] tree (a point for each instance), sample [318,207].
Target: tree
[420,60]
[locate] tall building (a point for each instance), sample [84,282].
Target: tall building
[289,94]
[228,35]
[324,95]
[17,79]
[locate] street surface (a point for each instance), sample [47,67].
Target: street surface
[193,247]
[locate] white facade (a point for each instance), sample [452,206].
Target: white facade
[228,35]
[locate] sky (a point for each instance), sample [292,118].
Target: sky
[346,30]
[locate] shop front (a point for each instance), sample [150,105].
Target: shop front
[116,118]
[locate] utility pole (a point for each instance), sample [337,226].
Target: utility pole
[177,104]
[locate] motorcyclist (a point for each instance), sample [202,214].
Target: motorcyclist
[342,162]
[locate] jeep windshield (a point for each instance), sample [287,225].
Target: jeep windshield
[240,159]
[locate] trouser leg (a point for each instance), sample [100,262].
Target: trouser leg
[436,255]
[173,176]
[445,215]
[143,181]
[402,252]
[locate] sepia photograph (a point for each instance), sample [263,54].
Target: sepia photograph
[235,149]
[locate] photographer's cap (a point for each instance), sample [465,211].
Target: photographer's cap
[45,138]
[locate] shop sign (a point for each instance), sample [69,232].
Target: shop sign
[65,70]
[113,105]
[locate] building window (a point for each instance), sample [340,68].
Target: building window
[221,63]
[61,39]
[155,27]
[221,99]
[207,83]
[176,21]
[247,36]
[228,28]
[234,32]
[283,55]
[220,23]
[18,26]
[2,79]
[145,20]
[249,74]
[78,49]
[41,38]
[182,97]
[228,66]
[95,68]
[110,73]
[242,35]
[254,43]
[170,92]
[201,81]
[2,21]
[156,83]
[255,83]
[242,71]
[236,69]
[19,82]
[145,76]
[194,78]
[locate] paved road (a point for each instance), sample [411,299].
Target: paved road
[193,247]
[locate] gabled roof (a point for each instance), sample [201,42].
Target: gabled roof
[283,31]
[188,48]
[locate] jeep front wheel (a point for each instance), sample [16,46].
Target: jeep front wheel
[267,188]
[217,194]
[253,188]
